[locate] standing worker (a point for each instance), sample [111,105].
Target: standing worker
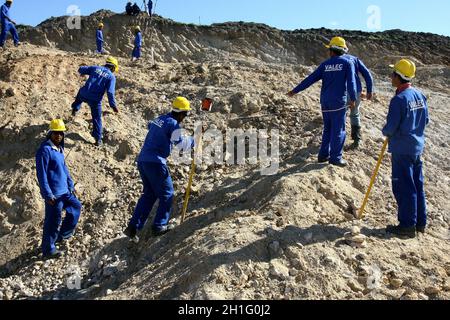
[164,132]
[338,82]
[135,10]
[99,38]
[8,25]
[101,80]
[129,8]
[150,7]
[137,44]
[355,115]
[57,189]
[405,129]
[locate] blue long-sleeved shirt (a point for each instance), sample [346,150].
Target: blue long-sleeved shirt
[138,40]
[52,172]
[101,80]
[406,122]
[99,36]
[4,13]
[360,68]
[338,80]
[164,133]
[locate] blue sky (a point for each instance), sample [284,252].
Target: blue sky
[413,15]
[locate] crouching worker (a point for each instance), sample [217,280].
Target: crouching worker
[405,129]
[57,189]
[101,80]
[164,132]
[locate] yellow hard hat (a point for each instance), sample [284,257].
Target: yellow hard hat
[181,104]
[113,61]
[338,43]
[57,125]
[101,24]
[137,28]
[405,68]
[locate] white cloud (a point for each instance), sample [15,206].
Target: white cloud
[335,23]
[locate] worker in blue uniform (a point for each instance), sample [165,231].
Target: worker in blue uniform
[7,24]
[135,10]
[150,7]
[101,80]
[129,8]
[57,189]
[164,133]
[405,129]
[137,44]
[355,115]
[338,81]
[99,38]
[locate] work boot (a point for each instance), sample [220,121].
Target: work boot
[323,160]
[354,146]
[356,136]
[342,163]
[163,230]
[55,255]
[356,133]
[99,142]
[17,44]
[401,231]
[421,229]
[62,239]
[132,234]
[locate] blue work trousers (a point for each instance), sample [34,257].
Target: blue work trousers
[8,27]
[333,138]
[137,52]
[408,188]
[53,229]
[100,46]
[96,112]
[157,185]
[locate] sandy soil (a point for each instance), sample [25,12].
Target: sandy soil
[248,236]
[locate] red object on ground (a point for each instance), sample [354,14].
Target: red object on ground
[207,104]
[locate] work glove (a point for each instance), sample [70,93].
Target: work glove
[51,201]
[367,96]
[290,94]
[352,104]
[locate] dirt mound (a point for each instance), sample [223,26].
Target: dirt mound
[291,235]
[169,41]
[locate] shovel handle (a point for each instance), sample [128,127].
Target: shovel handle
[372,181]
[191,179]
[188,191]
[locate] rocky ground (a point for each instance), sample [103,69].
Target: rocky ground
[291,235]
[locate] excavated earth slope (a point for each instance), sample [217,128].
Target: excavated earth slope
[247,236]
